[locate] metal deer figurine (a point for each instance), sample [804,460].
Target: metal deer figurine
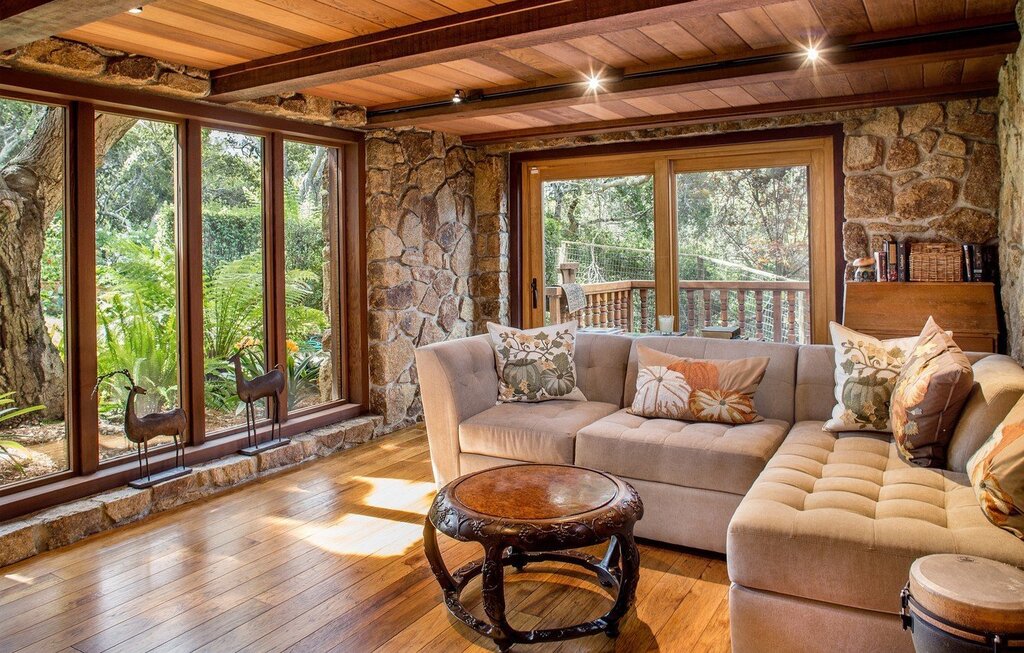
[140,430]
[268,386]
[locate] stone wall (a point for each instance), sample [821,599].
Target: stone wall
[421,253]
[1011,199]
[82,61]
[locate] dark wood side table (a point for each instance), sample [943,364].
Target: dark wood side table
[529,513]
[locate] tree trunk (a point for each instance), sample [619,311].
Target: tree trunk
[31,195]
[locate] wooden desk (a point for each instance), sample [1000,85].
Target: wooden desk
[897,310]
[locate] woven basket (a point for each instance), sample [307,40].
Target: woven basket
[936,262]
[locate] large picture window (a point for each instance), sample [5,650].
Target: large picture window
[158,238]
[136,272]
[233,288]
[33,298]
[312,276]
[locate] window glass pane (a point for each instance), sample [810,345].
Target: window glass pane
[136,281]
[602,232]
[232,270]
[744,254]
[311,278]
[33,438]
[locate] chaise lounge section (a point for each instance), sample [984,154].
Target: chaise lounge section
[820,528]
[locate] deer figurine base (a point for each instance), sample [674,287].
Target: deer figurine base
[160,477]
[264,446]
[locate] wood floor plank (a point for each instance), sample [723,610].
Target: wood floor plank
[327,556]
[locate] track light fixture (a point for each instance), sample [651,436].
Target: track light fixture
[459,96]
[135,11]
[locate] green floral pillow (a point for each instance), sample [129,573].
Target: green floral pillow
[866,372]
[536,364]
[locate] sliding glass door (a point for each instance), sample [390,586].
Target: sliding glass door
[736,238]
[744,253]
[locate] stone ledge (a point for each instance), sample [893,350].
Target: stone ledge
[61,525]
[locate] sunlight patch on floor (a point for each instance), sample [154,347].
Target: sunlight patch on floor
[396,493]
[18,578]
[358,535]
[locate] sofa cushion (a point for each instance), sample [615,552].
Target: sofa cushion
[774,397]
[534,432]
[998,386]
[929,394]
[710,456]
[601,365]
[840,517]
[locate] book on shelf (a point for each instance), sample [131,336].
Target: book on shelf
[903,261]
[881,266]
[892,260]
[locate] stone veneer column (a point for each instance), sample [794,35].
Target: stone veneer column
[490,286]
[420,258]
[1011,198]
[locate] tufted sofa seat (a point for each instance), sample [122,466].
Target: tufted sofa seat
[840,517]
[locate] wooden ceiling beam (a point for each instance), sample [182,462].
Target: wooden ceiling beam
[518,24]
[767,65]
[24,21]
[770,110]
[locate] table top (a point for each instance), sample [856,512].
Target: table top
[537,507]
[529,492]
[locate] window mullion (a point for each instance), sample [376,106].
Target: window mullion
[190,283]
[274,259]
[80,239]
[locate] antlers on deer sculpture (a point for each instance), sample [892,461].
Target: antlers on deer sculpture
[140,430]
[267,386]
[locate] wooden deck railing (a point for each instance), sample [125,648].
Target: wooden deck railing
[764,310]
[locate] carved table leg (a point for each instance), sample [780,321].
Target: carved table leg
[627,588]
[433,553]
[493,590]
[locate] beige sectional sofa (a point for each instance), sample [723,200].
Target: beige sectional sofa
[819,528]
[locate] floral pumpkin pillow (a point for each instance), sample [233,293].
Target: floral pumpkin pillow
[865,373]
[996,471]
[536,364]
[929,393]
[697,390]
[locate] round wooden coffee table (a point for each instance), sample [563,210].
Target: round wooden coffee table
[529,513]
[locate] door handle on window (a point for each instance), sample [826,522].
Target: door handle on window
[533,289]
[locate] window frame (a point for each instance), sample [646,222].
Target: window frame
[818,148]
[82,102]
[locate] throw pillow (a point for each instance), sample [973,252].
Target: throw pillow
[697,390]
[535,364]
[866,371]
[929,394]
[997,474]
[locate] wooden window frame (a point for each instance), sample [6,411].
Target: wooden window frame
[81,102]
[818,148]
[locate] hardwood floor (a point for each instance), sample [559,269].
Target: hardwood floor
[326,557]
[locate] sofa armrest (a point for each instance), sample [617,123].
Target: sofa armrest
[457,380]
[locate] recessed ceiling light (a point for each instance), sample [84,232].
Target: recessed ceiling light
[593,83]
[459,96]
[812,53]
[135,11]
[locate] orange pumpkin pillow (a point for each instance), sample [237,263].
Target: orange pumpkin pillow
[697,390]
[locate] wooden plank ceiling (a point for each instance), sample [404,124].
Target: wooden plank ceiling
[213,34]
